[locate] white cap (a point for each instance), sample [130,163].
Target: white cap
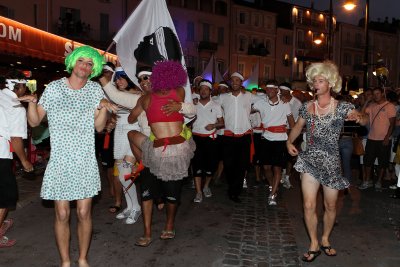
[237,74]
[106,67]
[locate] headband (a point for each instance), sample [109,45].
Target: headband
[11,83]
[144,72]
[106,67]
[208,84]
[223,85]
[283,87]
[237,74]
[271,86]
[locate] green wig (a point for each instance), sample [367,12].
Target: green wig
[85,52]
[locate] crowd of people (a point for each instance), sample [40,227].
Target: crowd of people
[149,140]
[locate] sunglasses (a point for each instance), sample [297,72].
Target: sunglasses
[145,78]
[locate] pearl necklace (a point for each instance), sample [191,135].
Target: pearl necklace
[325,118]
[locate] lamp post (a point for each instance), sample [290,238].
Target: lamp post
[349,5]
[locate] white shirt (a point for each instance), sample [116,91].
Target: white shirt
[295,105]
[237,111]
[273,116]
[12,121]
[206,114]
[255,121]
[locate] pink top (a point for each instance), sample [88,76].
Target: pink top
[154,112]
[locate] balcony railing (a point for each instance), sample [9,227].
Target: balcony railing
[310,22]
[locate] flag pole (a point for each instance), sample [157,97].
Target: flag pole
[109,47]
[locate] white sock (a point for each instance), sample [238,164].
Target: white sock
[125,168]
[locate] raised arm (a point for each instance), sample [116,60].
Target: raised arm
[36,112]
[137,110]
[124,99]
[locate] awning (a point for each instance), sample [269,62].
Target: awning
[23,40]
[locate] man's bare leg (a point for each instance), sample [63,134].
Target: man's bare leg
[309,187]
[84,214]
[330,200]
[62,230]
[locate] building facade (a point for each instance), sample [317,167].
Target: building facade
[279,38]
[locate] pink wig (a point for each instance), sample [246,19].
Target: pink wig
[168,75]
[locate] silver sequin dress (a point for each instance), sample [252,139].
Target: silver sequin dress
[321,159]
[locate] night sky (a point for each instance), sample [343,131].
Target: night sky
[377,9]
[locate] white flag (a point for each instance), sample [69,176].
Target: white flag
[149,36]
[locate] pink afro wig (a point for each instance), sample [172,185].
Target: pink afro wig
[168,75]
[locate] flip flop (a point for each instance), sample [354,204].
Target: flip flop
[313,254]
[167,234]
[114,209]
[6,243]
[5,226]
[327,251]
[143,241]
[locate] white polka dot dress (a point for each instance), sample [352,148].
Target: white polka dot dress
[72,172]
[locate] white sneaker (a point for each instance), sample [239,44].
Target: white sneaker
[198,198]
[244,183]
[272,200]
[123,215]
[286,182]
[207,192]
[133,216]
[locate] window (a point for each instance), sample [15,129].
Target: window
[206,6]
[220,8]
[242,43]
[287,40]
[242,18]
[241,67]
[190,4]
[267,72]
[268,45]
[256,20]
[221,33]
[347,37]
[347,59]
[206,32]
[286,60]
[268,22]
[358,59]
[174,2]
[190,31]
[358,39]
[220,66]
[104,30]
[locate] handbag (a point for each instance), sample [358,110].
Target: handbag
[358,148]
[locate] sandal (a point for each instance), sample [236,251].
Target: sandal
[167,234]
[143,241]
[5,242]
[114,209]
[312,254]
[327,251]
[5,226]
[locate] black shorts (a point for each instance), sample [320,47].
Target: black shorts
[273,153]
[205,160]
[152,188]
[375,149]
[8,185]
[257,148]
[106,154]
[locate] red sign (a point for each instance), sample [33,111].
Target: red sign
[23,40]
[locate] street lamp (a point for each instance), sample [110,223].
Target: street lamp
[350,5]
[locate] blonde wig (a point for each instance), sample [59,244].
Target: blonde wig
[329,71]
